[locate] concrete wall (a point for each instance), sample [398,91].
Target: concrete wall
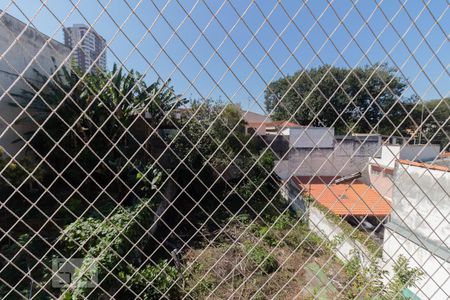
[382,180]
[282,169]
[420,152]
[435,283]
[421,201]
[391,153]
[347,157]
[21,49]
[313,137]
[419,227]
[330,231]
[382,168]
[294,198]
[388,156]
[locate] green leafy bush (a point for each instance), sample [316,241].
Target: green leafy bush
[15,172]
[118,244]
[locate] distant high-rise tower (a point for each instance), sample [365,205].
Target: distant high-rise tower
[88,50]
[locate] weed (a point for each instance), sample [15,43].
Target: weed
[203,288]
[284,222]
[268,235]
[261,257]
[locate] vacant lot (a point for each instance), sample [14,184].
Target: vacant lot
[281,260]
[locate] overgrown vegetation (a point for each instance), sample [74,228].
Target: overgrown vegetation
[244,263]
[111,185]
[196,212]
[103,184]
[118,247]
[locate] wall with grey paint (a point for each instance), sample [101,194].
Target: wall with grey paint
[24,50]
[346,157]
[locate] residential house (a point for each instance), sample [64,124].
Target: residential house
[317,151]
[381,167]
[318,161]
[345,198]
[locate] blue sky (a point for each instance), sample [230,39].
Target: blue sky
[233,49]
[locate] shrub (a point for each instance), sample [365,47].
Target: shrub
[366,281]
[268,235]
[404,277]
[116,245]
[16,171]
[154,282]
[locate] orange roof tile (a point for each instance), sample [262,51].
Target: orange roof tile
[444,155]
[348,198]
[424,165]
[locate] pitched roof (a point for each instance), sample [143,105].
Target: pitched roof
[252,117]
[424,165]
[445,155]
[348,198]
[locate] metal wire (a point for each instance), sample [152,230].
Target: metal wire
[199,208]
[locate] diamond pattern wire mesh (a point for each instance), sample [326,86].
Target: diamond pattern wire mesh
[228,150]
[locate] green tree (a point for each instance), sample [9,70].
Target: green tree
[90,124]
[341,97]
[432,122]
[240,166]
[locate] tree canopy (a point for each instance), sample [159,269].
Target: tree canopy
[358,100]
[432,121]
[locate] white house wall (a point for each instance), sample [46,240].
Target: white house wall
[419,228]
[415,152]
[435,283]
[327,229]
[389,155]
[421,200]
[382,182]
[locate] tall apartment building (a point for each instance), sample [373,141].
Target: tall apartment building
[90,48]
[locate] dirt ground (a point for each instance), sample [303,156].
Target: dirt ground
[291,264]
